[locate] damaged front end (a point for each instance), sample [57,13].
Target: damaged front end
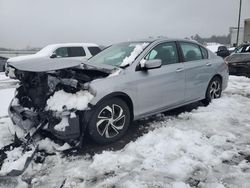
[57,99]
[51,102]
[47,104]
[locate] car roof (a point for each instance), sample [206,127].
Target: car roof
[72,44]
[162,39]
[245,44]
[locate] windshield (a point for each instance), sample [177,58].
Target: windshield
[47,50]
[116,54]
[243,49]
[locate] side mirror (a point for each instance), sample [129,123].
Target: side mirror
[53,55]
[151,64]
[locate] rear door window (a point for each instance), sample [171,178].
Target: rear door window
[191,52]
[94,50]
[76,51]
[204,53]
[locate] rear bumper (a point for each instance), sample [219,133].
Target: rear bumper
[26,120]
[225,81]
[224,72]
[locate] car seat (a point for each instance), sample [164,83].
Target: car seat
[165,56]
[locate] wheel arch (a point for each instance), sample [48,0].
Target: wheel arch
[218,76]
[215,76]
[122,96]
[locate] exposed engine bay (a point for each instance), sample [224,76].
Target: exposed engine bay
[35,88]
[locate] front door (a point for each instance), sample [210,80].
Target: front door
[164,87]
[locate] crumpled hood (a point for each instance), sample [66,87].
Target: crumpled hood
[43,64]
[238,58]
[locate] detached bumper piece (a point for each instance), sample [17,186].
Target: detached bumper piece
[28,153]
[23,118]
[28,120]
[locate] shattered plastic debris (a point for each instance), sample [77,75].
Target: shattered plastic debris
[15,160]
[15,102]
[51,147]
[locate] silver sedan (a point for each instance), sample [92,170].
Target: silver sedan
[124,82]
[156,76]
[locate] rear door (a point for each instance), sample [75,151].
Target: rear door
[198,70]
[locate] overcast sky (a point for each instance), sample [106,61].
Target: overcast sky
[36,23]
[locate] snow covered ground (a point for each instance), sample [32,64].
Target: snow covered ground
[6,93]
[214,46]
[208,147]
[5,97]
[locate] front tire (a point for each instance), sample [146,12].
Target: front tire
[213,91]
[109,121]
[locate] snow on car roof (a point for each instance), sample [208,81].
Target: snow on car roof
[69,44]
[72,44]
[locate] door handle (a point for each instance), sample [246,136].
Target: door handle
[179,70]
[209,64]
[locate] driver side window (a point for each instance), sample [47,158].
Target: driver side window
[166,52]
[62,52]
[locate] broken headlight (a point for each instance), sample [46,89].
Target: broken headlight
[10,72]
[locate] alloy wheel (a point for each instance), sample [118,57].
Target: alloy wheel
[111,121]
[215,89]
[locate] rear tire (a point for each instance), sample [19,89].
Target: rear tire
[214,90]
[109,121]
